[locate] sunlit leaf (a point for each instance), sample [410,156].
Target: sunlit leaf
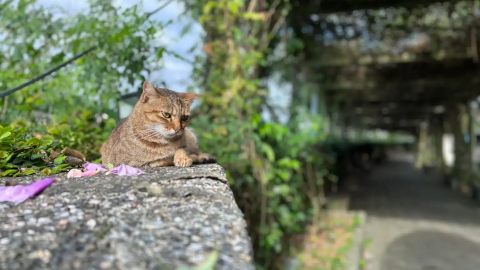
[5,135]
[3,154]
[267,149]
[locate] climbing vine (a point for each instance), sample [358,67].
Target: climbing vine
[276,171]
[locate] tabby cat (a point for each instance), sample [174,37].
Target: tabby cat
[155,133]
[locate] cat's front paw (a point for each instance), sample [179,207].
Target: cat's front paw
[183,162]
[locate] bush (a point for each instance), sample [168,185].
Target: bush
[26,148]
[276,173]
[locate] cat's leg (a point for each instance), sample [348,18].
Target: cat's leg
[206,158]
[194,158]
[202,158]
[162,163]
[181,158]
[194,150]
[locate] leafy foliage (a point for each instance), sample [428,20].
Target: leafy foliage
[85,132]
[27,149]
[23,154]
[49,37]
[276,171]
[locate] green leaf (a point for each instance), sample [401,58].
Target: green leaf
[159,52]
[109,166]
[7,172]
[267,149]
[5,130]
[37,156]
[284,175]
[33,141]
[289,163]
[29,171]
[18,160]
[5,135]
[208,7]
[3,154]
[46,171]
[60,168]
[45,144]
[59,160]
[186,29]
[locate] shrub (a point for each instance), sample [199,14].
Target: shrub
[26,148]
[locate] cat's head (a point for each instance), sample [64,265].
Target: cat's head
[166,112]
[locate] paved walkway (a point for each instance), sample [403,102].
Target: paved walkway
[415,223]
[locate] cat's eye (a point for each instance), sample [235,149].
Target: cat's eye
[184,117]
[166,115]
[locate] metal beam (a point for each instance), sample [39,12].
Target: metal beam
[464,68]
[442,96]
[422,84]
[336,6]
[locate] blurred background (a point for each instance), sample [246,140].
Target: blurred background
[365,106]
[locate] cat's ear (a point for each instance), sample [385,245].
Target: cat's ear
[189,97]
[149,92]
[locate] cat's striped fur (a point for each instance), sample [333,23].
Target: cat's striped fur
[155,133]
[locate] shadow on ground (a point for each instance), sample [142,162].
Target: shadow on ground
[397,190]
[433,251]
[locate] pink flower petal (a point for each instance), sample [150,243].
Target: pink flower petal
[126,170]
[94,167]
[90,173]
[73,173]
[18,194]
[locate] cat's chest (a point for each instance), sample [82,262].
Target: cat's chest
[157,152]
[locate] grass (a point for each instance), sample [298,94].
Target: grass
[326,247]
[363,261]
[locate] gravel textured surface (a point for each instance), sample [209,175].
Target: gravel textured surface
[166,218]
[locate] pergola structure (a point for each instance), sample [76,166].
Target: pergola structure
[335,6]
[397,65]
[399,95]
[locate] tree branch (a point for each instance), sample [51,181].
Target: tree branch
[159,8]
[252,5]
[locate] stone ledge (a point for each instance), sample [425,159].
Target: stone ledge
[164,219]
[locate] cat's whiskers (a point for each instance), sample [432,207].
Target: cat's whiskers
[159,129]
[151,132]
